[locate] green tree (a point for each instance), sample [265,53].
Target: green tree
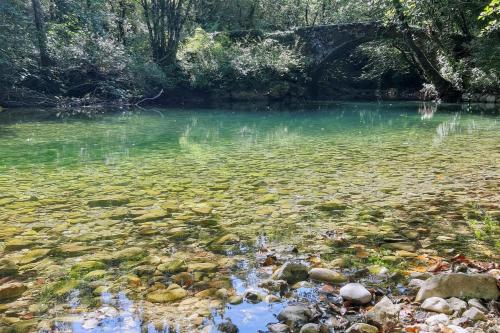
[444,87]
[165,20]
[40,32]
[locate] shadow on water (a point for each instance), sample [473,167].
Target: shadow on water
[24,115]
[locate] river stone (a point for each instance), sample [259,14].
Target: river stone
[457,305]
[152,216]
[310,328]
[11,290]
[228,239]
[474,302]
[405,246]
[420,275]
[73,250]
[331,205]
[383,312]
[222,293]
[274,285]
[326,275]
[166,295]
[272,299]
[459,285]
[227,327]
[291,272]
[235,300]
[456,329]
[170,206]
[356,293]
[117,213]
[202,267]
[173,267]
[495,272]
[253,296]
[295,315]
[202,209]
[131,253]
[362,328]
[95,275]
[32,256]
[302,284]
[267,198]
[87,266]
[436,304]
[438,319]
[278,328]
[109,201]
[144,270]
[474,314]
[18,244]
[415,284]
[8,268]
[25,326]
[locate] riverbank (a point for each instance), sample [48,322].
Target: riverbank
[188,98]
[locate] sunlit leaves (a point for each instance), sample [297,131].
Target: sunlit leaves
[491,15]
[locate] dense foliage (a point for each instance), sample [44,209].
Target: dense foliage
[52,50]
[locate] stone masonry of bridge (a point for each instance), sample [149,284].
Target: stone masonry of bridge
[320,44]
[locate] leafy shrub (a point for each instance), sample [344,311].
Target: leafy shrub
[95,65]
[382,58]
[484,81]
[215,62]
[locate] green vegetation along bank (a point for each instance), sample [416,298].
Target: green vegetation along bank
[67,52]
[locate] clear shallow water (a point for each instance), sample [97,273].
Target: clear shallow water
[90,208]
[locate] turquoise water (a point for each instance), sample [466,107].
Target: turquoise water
[224,188]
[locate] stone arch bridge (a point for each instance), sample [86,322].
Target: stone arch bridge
[321,44]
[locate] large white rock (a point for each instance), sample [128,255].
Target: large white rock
[459,285]
[356,293]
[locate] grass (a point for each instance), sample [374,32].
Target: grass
[483,225]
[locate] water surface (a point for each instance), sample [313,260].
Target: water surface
[92,207]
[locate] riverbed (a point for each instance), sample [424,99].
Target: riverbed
[164,219]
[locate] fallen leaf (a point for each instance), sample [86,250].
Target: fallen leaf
[270,260]
[412,329]
[439,267]
[327,289]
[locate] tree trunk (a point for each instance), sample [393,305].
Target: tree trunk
[40,33]
[121,13]
[165,20]
[444,87]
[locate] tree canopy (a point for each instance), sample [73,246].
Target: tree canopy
[123,49]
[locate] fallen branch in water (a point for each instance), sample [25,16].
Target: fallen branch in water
[149,98]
